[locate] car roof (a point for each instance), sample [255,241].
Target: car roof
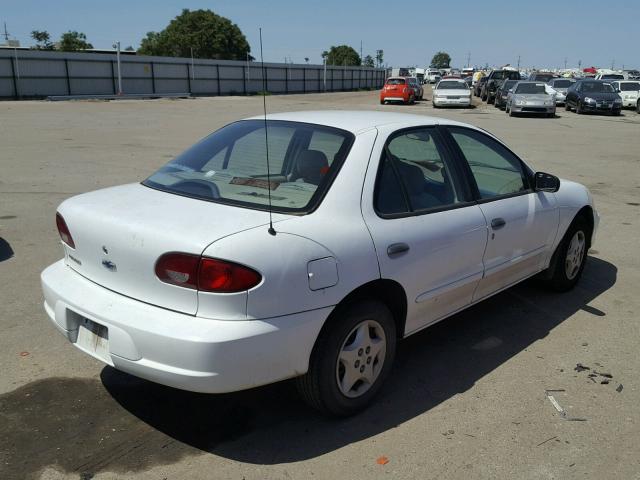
[359,121]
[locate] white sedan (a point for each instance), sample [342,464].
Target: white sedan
[451,93]
[382,224]
[629,92]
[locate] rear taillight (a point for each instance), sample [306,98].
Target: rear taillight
[178,269]
[205,274]
[225,277]
[404,90]
[64,232]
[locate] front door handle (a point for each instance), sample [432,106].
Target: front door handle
[397,248]
[498,223]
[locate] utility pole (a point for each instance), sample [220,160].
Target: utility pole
[579,64]
[468,59]
[117,47]
[613,62]
[565,63]
[360,53]
[518,62]
[248,69]
[6,34]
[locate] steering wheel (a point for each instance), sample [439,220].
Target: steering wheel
[199,187]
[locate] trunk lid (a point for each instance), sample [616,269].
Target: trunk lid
[120,233]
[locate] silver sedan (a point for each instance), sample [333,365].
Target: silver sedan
[530,97]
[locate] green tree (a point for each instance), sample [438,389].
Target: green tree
[129,49]
[441,60]
[74,41]
[43,40]
[208,34]
[379,57]
[368,61]
[342,55]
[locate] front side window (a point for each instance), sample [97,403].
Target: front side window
[230,165]
[413,175]
[497,172]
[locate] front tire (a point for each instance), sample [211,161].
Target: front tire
[569,260]
[579,109]
[351,359]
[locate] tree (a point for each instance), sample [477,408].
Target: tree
[129,49]
[74,41]
[368,61]
[379,57]
[342,55]
[43,40]
[208,34]
[441,60]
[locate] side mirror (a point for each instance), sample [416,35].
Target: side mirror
[545,182]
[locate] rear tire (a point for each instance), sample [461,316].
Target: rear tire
[568,261]
[358,342]
[567,107]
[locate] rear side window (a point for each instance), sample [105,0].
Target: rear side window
[414,175]
[230,165]
[497,172]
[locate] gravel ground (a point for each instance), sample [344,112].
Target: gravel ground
[466,398]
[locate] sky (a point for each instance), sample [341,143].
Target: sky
[542,33]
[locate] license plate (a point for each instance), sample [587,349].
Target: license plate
[93,338]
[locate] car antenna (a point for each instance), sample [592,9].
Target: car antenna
[271,230]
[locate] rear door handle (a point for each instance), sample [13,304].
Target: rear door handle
[397,248]
[498,223]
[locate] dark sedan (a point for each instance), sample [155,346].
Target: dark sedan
[501,93]
[593,96]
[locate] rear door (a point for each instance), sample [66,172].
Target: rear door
[522,223]
[428,235]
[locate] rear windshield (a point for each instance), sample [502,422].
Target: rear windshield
[447,84]
[562,83]
[630,86]
[230,165]
[542,77]
[612,76]
[395,81]
[531,88]
[501,75]
[508,84]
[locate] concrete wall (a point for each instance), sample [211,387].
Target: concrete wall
[31,73]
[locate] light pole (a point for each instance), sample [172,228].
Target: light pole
[117,47]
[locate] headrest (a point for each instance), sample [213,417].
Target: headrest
[311,166]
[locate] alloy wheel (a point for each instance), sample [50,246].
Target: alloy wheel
[575,254]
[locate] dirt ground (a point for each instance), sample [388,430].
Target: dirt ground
[466,398]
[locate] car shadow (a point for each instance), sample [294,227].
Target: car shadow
[271,425]
[6,252]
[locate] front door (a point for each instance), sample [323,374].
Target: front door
[522,223]
[428,234]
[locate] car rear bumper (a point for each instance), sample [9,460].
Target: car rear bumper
[533,109]
[176,349]
[452,102]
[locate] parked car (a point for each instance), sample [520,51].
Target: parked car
[609,76]
[593,96]
[494,80]
[432,75]
[561,84]
[501,93]
[631,74]
[417,87]
[383,224]
[629,92]
[541,76]
[477,87]
[557,95]
[530,97]
[468,80]
[451,93]
[397,89]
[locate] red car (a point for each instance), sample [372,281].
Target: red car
[397,89]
